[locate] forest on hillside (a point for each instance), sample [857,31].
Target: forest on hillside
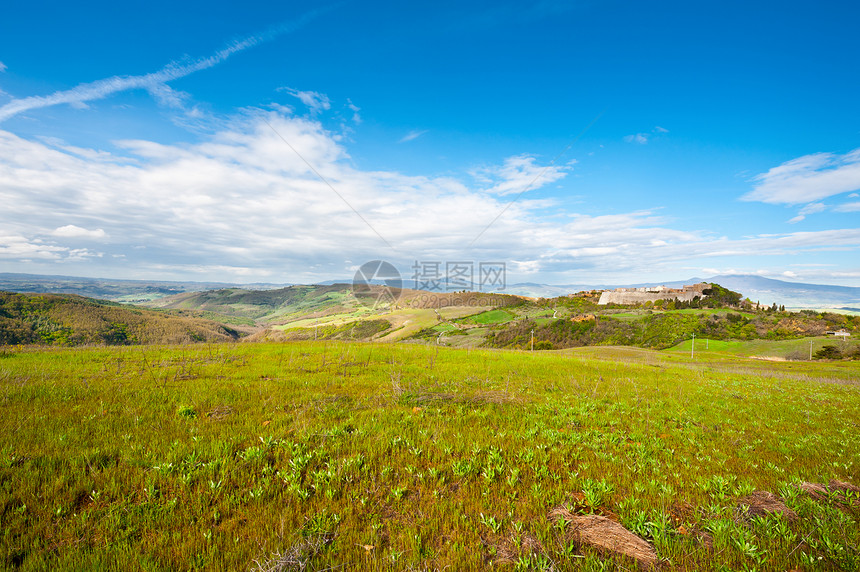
[69,320]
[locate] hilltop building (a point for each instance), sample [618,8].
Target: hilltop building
[653,293]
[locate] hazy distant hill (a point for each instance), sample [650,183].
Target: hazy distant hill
[64,319]
[264,305]
[790,294]
[128,291]
[756,288]
[315,301]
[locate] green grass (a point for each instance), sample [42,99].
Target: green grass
[497,316]
[408,322]
[629,316]
[713,312]
[329,319]
[797,348]
[383,456]
[641,313]
[445,328]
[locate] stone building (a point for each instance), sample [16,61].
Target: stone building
[653,293]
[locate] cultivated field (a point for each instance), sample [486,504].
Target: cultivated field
[344,456]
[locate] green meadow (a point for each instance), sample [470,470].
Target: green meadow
[800,348]
[360,456]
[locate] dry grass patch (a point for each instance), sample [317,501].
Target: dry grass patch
[607,536]
[763,503]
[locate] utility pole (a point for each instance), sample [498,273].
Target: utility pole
[533,340]
[810,350]
[693,347]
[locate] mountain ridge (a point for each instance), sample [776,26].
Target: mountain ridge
[797,295]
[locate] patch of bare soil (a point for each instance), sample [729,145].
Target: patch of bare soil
[220,412]
[508,550]
[842,486]
[840,492]
[607,536]
[763,503]
[683,515]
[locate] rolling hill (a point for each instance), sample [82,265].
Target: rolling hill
[320,302]
[266,306]
[70,320]
[757,288]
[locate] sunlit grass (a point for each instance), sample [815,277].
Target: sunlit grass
[799,347]
[389,457]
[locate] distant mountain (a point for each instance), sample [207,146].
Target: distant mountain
[128,291]
[533,290]
[793,295]
[790,294]
[765,290]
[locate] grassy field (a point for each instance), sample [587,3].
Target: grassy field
[410,321]
[496,316]
[323,456]
[404,321]
[764,348]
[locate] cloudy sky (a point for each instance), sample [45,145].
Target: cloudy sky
[578,142]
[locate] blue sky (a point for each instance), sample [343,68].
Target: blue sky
[606,142]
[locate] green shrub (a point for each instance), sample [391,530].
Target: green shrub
[186,412]
[828,352]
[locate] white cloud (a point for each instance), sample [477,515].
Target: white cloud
[154,82]
[356,118]
[518,174]
[73,231]
[807,179]
[93,154]
[314,101]
[3,67]
[643,138]
[167,96]
[813,208]
[18,247]
[412,135]
[809,209]
[640,138]
[242,203]
[848,207]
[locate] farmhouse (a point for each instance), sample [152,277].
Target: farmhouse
[653,293]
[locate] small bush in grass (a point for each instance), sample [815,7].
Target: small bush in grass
[797,355]
[828,352]
[186,412]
